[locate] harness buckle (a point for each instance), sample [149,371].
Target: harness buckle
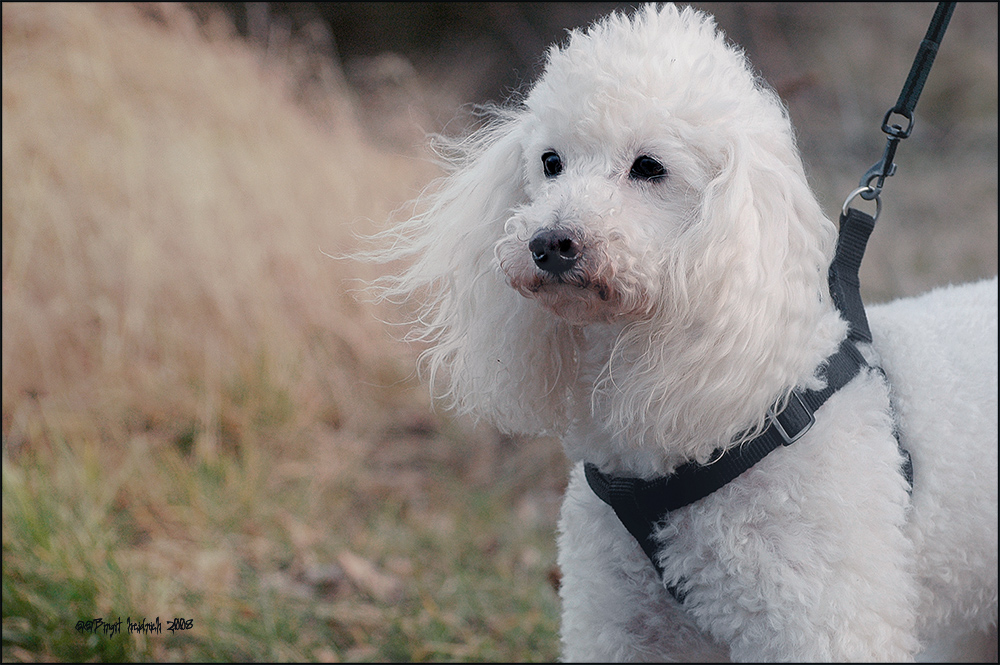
[793,421]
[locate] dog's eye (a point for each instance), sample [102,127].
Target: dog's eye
[551,163]
[646,168]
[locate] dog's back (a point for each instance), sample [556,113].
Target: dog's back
[939,351]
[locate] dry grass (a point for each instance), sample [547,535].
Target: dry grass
[199,419]
[165,206]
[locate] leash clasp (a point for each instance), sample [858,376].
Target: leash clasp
[885,167]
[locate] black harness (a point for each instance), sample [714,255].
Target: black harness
[641,505]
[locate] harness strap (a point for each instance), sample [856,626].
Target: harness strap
[845,287]
[642,504]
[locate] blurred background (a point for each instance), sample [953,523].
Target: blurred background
[200,418]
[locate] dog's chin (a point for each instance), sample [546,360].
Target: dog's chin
[578,304]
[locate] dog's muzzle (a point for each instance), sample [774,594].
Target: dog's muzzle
[555,251]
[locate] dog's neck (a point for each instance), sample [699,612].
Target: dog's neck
[639,414]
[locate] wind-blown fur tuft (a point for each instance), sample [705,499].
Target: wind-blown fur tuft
[464,309]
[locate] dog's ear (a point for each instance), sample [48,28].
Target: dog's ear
[746,290]
[490,351]
[764,237]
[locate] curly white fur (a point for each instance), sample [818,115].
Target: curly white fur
[693,297]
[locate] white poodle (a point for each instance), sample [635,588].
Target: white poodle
[631,258]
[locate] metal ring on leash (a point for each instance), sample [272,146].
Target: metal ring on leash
[859,190]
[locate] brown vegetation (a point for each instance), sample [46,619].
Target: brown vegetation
[166,207]
[199,417]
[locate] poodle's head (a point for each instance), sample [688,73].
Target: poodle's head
[631,234]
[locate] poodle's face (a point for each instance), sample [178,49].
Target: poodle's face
[622,135]
[602,210]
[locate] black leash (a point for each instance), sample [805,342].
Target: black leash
[855,225]
[905,105]
[642,504]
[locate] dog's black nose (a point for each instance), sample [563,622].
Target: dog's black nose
[554,250]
